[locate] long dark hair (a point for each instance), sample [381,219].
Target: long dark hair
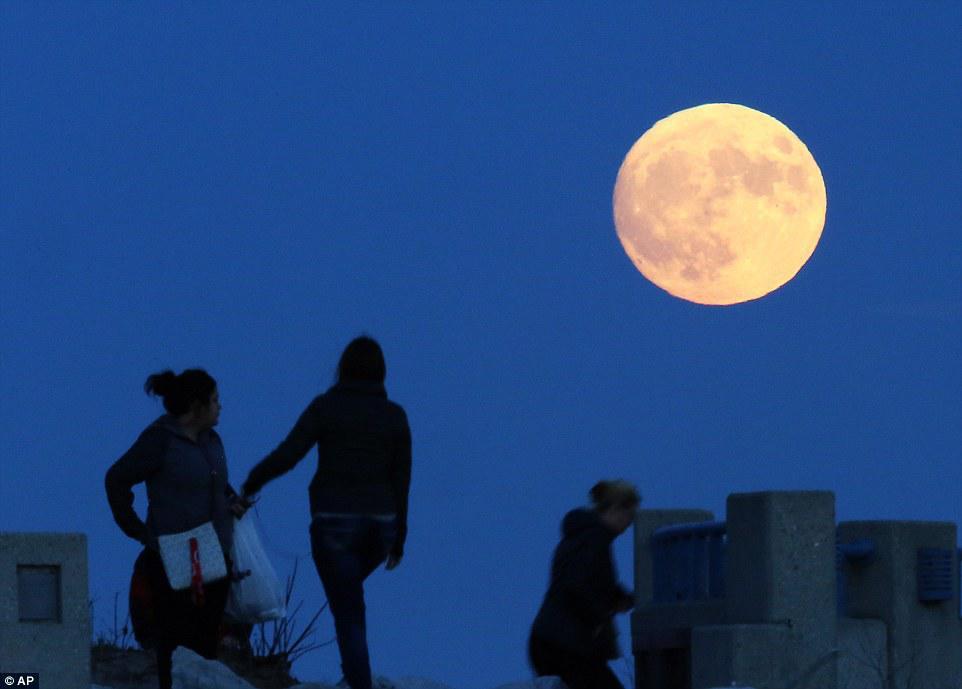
[179,392]
[362,360]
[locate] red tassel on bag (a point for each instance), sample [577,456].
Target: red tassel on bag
[196,575]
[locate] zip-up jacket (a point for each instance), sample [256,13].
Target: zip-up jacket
[186,484]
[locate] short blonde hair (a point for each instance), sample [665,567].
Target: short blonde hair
[617,493]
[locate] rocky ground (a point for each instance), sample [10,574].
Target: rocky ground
[115,668]
[133,668]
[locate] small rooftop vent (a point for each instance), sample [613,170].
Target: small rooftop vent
[935,574]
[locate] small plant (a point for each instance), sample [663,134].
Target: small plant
[115,659]
[263,654]
[115,636]
[281,639]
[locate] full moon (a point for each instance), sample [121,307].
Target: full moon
[719,204]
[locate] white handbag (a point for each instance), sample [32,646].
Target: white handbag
[190,553]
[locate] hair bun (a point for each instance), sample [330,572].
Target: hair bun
[161,384]
[180,392]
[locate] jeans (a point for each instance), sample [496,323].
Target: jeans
[346,549]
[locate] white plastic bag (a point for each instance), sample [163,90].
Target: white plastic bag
[255,593]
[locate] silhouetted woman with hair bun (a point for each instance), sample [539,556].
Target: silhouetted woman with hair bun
[359,494]
[181,459]
[179,392]
[573,635]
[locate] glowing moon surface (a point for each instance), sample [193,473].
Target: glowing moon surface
[719,204]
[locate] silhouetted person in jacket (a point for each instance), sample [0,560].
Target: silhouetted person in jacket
[573,635]
[359,494]
[181,459]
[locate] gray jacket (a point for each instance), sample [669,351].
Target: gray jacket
[186,484]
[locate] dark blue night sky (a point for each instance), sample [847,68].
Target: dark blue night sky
[246,187]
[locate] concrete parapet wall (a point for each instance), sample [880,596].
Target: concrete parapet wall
[924,638]
[59,649]
[648,622]
[740,654]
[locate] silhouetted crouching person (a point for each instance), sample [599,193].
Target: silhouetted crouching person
[359,495]
[573,635]
[181,459]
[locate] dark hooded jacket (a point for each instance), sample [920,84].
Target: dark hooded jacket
[186,484]
[578,611]
[364,454]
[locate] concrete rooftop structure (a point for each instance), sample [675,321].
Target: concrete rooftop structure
[780,597]
[45,608]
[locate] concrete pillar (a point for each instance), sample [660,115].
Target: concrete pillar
[661,634]
[781,571]
[924,638]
